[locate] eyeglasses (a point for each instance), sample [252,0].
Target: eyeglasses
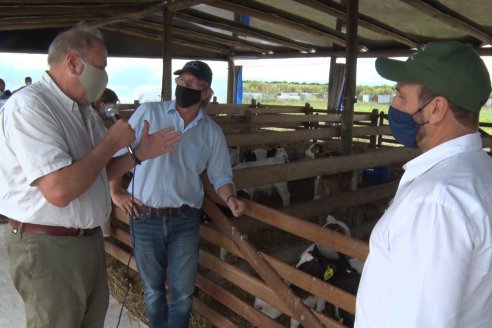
[192,84]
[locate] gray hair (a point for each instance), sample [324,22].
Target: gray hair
[79,38]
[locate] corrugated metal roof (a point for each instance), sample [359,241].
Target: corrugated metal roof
[249,28]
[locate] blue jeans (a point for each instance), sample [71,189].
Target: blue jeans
[167,247]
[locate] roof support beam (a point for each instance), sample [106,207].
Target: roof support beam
[40,10]
[330,8]
[246,31]
[235,8]
[213,37]
[151,10]
[32,23]
[177,5]
[452,21]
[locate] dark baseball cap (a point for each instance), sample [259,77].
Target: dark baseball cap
[198,69]
[449,68]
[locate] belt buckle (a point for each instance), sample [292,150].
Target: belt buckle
[164,211]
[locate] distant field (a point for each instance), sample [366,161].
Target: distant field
[485,115]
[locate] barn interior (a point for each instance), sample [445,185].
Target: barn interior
[359,166]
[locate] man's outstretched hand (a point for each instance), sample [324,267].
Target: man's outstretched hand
[158,143]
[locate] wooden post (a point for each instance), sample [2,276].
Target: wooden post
[381,122]
[231,81]
[374,122]
[308,110]
[167,39]
[350,77]
[247,120]
[333,61]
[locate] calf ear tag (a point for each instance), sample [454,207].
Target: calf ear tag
[328,273]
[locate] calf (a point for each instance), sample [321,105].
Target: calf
[327,185]
[263,157]
[337,272]
[326,264]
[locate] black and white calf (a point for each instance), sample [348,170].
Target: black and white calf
[262,157]
[326,264]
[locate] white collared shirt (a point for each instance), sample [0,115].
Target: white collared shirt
[430,260]
[42,130]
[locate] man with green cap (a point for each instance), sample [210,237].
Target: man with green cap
[430,255]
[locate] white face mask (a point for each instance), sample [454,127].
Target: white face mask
[94,81]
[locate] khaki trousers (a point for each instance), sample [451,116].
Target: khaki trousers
[62,280]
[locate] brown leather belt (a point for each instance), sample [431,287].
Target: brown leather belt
[161,211]
[50,230]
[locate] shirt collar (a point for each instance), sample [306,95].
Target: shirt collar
[200,116]
[419,165]
[58,93]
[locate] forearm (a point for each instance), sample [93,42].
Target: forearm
[118,166]
[66,184]
[228,195]
[115,186]
[226,191]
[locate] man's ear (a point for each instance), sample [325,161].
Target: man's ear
[439,110]
[75,65]
[208,93]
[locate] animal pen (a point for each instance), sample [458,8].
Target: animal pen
[229,30]
[265,276]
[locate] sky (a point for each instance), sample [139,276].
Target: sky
[140,79]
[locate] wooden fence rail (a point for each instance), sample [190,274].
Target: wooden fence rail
[269,275]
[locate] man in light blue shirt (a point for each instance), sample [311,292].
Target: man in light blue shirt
[168,195]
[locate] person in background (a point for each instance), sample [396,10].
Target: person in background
[4,94]
[27,82]
[168,195]
[99,111]
[430,259]
[56,163]
[107,97]
[2,88]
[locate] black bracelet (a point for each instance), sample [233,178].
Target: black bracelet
[134,156]
[229,197]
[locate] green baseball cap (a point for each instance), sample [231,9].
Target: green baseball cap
[450,68]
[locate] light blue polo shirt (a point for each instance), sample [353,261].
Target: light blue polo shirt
[172,179]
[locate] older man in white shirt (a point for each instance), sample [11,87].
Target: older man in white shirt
[54,172]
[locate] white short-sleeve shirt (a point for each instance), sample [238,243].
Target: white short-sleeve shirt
[430,259]
[42,130]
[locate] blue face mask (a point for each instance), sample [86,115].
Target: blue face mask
[403,127]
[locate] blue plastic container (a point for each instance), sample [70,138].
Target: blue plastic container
[377,175]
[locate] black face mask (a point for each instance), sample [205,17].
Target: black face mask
[186,97]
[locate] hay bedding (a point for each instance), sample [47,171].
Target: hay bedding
[120,278]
